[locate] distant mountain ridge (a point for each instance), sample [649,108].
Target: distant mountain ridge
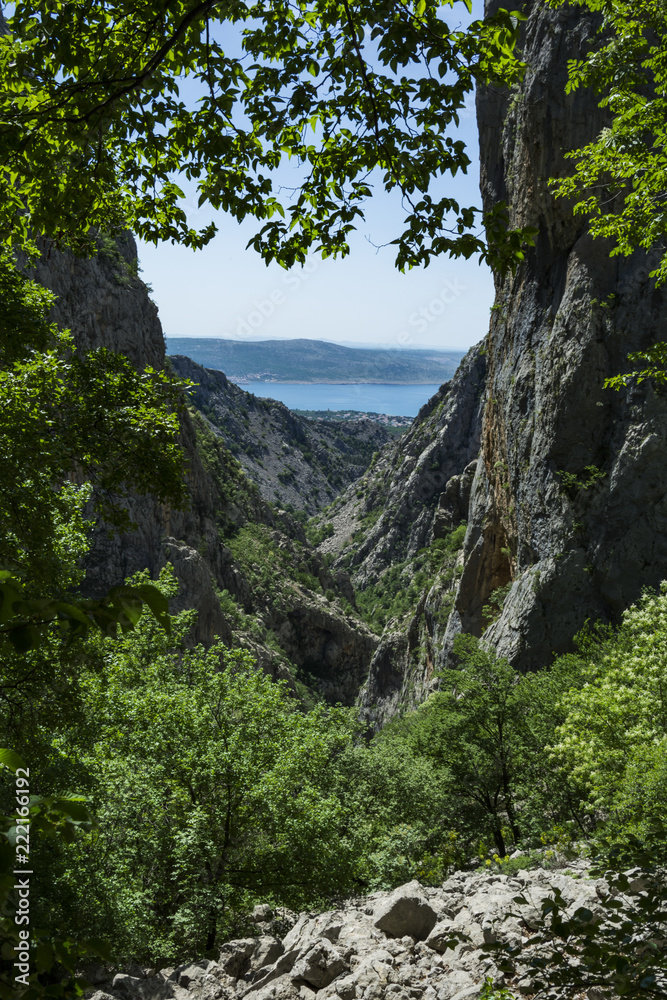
[307,361]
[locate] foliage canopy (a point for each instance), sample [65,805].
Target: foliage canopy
[104,105]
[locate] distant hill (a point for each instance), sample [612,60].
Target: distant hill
[308,361]
[295,462]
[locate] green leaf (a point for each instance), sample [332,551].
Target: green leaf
[11,759]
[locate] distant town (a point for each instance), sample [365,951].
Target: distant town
[388,420]
[254,377]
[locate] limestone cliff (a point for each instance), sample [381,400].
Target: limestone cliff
[394,531]
[297,617]
[569,502]
[567,512]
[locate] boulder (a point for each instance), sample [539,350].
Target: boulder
[235,956]
[278,970]
[188,975]
[405,911]
[261,914]
[319,966]
[126,984]
[442,934]
[267,950]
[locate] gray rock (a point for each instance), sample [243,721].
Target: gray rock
[346,988]
[261,914]
[188,975]
[405,911]
[281,968]
[267,950]
[581,553]
[235,956]
[468,991]
[442,936]
[126,984]
[319,966]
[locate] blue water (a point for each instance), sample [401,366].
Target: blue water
[396,400]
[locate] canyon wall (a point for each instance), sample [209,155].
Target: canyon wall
[308,625]
[569,503]
[566,498]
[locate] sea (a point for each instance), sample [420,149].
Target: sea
[395,400]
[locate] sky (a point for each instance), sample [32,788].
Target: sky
[227,291]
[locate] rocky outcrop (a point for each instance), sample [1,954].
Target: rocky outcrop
[314,631]
[392,520]
[569,503]
[416,942]
[296,463]
[102,300]
[400,505]
[566,505]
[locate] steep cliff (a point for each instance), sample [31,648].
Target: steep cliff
[569,504]
[297,617]
[295,462]
[398,531]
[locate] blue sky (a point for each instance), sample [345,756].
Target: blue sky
[225,290]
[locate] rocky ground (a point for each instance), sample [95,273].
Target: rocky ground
[415,943]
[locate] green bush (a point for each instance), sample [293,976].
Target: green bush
[211,790]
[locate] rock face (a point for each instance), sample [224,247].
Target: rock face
[295,462]
[408,502]
[562,483]
[103,301]
[105,304]
[569,502]
[402,495]
[417,942]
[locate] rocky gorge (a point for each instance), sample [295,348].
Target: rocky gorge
[524,500]
[565,497]
[524,447]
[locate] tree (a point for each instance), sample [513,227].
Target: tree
[613,740]
[211,789]
[473,727]
[70,420]
[487,728]
[104,105]
[620,178]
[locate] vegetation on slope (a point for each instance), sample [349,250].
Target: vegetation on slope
[296,463]
[213,790]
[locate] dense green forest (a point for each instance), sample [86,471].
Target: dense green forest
[174,785]
[213,789]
